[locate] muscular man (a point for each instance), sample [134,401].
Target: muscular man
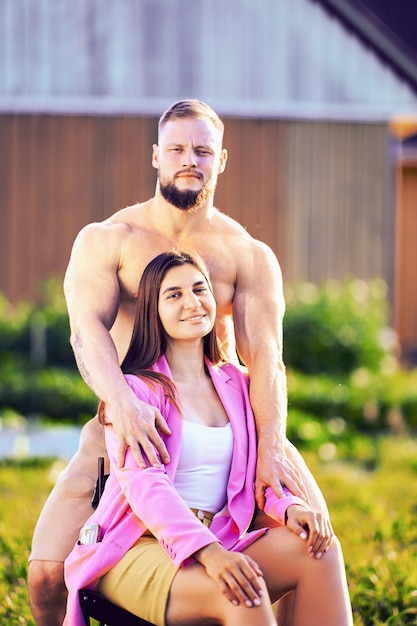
[100,285]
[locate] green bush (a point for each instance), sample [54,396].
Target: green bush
[38,374]
[337,327]
[368,402]
[50,393]
[38,333]
[339,368]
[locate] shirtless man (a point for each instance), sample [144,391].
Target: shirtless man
[100,285]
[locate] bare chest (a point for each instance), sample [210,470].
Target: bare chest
[220,265]
[140,250]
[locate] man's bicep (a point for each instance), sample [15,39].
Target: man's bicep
[258,305]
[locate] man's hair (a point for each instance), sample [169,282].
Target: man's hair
[193,109]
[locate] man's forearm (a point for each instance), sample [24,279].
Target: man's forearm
[268,395]
[97,361]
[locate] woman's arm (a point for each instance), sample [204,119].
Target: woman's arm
[151,493]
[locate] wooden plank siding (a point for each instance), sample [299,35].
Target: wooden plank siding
[405,319]
[251,188]
[59,173]
[334,201]
[313,191]
[62,172]
[245,57]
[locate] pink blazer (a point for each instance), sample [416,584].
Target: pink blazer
[135,499]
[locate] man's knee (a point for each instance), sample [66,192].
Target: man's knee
[46,581]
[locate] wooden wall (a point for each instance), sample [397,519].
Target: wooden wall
[405,319]
[314,191]
[58,173]
[338,204]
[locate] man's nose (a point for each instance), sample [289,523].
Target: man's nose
[189,158]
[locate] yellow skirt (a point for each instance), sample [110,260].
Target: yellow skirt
[141,580]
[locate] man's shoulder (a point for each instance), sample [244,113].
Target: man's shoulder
[118,225]
[228,226]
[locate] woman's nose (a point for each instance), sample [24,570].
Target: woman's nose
[192,301]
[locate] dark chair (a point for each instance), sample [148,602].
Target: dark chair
[94,605]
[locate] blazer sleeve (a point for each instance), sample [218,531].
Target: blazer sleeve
[153,498]
[276,507]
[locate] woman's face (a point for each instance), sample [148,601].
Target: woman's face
[186,306]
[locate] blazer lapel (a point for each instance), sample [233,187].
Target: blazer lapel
[235,402]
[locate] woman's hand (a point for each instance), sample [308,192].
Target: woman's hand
[236,574]
[312,527]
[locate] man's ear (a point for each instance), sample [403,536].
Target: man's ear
[155,154]
[223,160]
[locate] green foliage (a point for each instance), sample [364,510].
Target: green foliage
[24,487]
[336,328]
[46,393]
[38,374]
[373,513]
[366,401]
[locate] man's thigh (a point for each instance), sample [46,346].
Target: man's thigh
[69,503]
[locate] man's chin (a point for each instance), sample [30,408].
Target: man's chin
[183,199]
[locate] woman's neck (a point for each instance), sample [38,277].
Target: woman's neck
[186,363]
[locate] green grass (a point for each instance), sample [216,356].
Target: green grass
[373,512]
[373,508]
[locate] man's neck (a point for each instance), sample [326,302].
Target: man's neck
[173,221]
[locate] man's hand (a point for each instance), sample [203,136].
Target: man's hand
[236,574]
[137,424]
[310,526]
[274,469]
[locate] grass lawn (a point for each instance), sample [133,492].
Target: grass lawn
[373,508]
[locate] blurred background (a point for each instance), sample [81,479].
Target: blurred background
[319,100]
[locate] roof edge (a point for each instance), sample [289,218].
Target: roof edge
[373,31]
[238,108]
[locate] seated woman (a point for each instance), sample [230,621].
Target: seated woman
[176,544]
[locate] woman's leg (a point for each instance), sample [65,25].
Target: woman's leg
[321,595]
[195,599]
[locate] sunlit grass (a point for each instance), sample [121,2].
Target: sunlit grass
[374,515]
[373,509]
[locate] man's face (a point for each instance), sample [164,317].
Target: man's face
[189,158]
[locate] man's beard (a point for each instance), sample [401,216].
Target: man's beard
[188,200]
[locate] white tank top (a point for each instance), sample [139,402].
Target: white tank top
[204,465]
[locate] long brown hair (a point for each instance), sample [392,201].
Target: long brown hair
[149,342]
